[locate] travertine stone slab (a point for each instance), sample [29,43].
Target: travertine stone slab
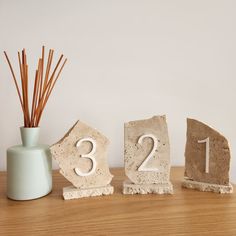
[68,155]
[206,187]
[195,154]
[135,153]
[160,188]
[71,192]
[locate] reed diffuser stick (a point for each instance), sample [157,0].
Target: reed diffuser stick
[43,85]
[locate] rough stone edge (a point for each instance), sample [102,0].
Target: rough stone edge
[132,122]
[190,120]
[67,134]
[131,188]
[207,187]
[72,192]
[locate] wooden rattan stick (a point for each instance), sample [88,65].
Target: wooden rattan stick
[15,81]
[41,77]
[50,91]
[42,89]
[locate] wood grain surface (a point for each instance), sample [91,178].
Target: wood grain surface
[187,212]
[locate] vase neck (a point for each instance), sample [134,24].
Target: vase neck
[29,136]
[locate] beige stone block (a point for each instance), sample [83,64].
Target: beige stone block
[207,187]
[74,154]
[196,154]
[159,188]
[136,152]
[71,192]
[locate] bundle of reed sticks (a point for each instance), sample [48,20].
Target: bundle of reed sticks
[44,83]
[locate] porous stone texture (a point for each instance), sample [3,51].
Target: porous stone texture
[71,192]
[195,154]
[160,188]
[135,154]
[206,187]
[68,157]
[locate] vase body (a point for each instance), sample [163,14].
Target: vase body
[29,167]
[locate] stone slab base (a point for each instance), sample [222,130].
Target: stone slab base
[71,192]
[207,187]
[162,188]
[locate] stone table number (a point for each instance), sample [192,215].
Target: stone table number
[147,157]
[82,157]
[207,159]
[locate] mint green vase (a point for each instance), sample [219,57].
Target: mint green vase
[29,167]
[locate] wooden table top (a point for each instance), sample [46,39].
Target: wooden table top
[187,212]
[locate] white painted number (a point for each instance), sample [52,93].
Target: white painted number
[89,156]
[207,141]
[143,167]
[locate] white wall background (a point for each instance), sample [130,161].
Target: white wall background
[127,60]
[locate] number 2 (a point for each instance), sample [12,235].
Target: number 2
[207,141]
[143,167]
[89,156]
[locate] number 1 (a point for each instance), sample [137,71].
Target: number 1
[207,141]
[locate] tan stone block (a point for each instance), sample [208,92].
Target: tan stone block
[136,152]
[71,192]
[196,154]
[160,188]
[206,187]
[71,155]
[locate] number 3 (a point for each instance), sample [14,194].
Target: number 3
[89,156]
[143,167]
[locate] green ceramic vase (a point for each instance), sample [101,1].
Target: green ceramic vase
[29,167]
